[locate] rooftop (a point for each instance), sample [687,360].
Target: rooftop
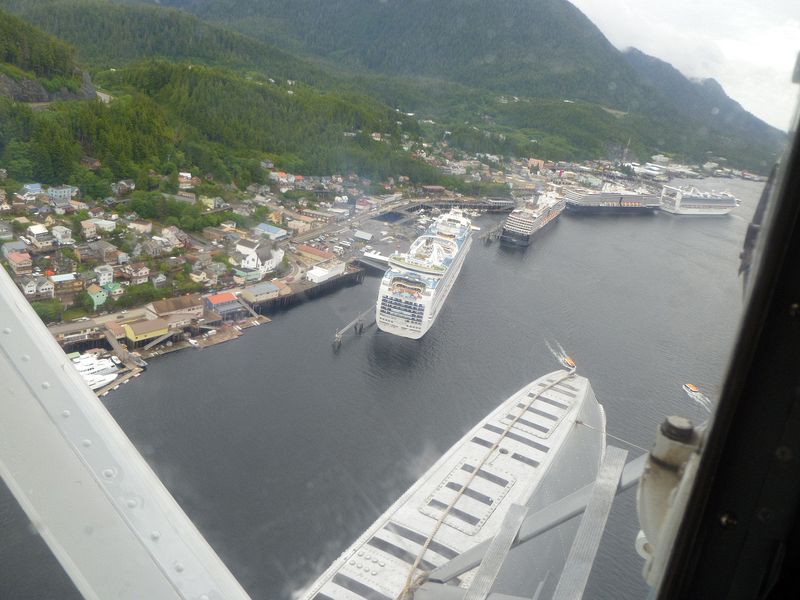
[222,298]
[314,251]
[177,304]
[262,288]
[147,326]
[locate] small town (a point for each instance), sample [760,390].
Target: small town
[151,272]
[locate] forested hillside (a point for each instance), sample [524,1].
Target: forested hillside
[24,47]
[34,65]
[538,49]
[110,35]
[302,128]
[229,100]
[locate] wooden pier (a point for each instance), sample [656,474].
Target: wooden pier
[358,324]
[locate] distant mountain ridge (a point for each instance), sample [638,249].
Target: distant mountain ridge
[704,99]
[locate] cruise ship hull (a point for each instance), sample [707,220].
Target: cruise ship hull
[418,282]
[521,225]
[610,209]
[691,201]
[538,446]
[688,210]
[415,328]
[511,238]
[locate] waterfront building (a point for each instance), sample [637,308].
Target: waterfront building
[243,276]
[226,305]
[324,271]
[260,292]
[177,312]
[139,333]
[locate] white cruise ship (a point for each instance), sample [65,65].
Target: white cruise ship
[523,222]
[539,445]
[417,283]
[691,201]
[612,199]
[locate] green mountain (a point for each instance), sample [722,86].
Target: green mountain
[111,35]
[220,120]
[539,95]
[537,49]
[36,67]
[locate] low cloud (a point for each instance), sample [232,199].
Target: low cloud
[749,48]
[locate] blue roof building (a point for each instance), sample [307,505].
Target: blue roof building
[274,233]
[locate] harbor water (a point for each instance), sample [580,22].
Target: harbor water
[283,451]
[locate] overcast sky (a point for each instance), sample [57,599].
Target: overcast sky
[749,47]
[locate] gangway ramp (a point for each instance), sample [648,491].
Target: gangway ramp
[366,318]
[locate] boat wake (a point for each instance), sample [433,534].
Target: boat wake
[699,397]
[561,355]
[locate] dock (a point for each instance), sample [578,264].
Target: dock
[492,234]
[365,319]
[130,371]
[116,347]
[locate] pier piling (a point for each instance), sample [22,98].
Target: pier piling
[365,319]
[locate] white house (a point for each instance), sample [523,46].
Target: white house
[36,287]
[63,235]
[105,274]
[258,256]
[137,272]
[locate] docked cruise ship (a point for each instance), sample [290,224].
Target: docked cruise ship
[612,198]
[691,201]
[541,444]
[417,283]
[523,222]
